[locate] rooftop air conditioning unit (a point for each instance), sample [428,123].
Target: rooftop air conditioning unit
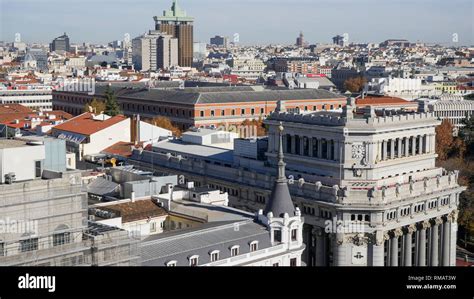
[10,178]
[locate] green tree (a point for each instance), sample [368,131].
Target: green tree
[469,96]
[112,108]
[96,105]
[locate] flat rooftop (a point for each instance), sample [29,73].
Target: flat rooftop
[177,146]
[11,143]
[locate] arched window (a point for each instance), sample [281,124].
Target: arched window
[193,260]
[234,250]
[214,255]
[171,264]
[253,246]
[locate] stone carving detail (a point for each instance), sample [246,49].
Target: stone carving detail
[359,239]
[424,225]
[410,229]
[453,216]
[397,233]
[397,189]
[318,185]
[437,221]
[301,183]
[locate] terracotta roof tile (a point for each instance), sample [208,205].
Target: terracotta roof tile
[84,124]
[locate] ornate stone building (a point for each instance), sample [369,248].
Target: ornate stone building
[391,205]
[365,181]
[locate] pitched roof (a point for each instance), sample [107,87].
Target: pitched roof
[385,100]
[210,95]
[14,108]
[84,124]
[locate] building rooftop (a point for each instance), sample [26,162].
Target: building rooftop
[134,211]
[179,246]
[219,95]
[177,146]
[11,143]
[84,124]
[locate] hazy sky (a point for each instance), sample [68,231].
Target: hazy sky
[257,21]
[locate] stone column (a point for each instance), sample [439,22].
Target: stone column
[446,242]
[408,245]
[310,146]
[420,145]
[400,153]
[301,153]
[422,243]
[336,151]
[452,218]
[284,139]
[413,145]
[406,141]
[384,150]
[433,142]
[328,149]
[435,242]
[392,148]
[319,252]
[339,250]
[293,144]
[378,249]
[320,148]
[394,247]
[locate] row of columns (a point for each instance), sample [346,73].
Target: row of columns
[432,238]
[311,147]
[406,146]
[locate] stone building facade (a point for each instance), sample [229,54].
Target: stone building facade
[367,185]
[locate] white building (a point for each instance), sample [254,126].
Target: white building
[229,237]
[89,134]
[36,99]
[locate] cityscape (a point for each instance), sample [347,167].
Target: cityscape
[164,149]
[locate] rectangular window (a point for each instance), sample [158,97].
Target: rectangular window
[201,113]
[242,111]
[277,236]
[2,249]
[253,247]
[193,262]
[294,234]
[223,112]
[214,256]
[29,245]
[262,111]
[60,239]
[234,251]
[152,227]
[212,112]
[293,262]
[38,169]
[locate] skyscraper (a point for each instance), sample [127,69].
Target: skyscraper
[300,40]
[154,50]
[60,43]
[176,23]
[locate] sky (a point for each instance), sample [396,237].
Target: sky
[256,21]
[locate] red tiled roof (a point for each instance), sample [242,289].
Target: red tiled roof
[381,101]
[123,149]
[14,108]
[21,116]
[84,124]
